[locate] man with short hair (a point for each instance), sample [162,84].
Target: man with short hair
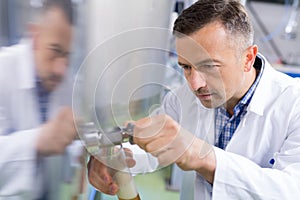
[236,122]
[36,121]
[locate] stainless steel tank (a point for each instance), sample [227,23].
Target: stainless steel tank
[123,74]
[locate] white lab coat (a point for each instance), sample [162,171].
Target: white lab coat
[269,130]
[19,127]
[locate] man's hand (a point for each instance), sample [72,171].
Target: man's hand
[102,176]
[57,133]
[165,139]
[99,176]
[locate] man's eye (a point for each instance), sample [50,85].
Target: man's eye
[58,52]
[186,67]
[207,67]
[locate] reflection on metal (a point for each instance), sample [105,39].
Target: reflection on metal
[121,78]
[123,75]
[95,140]
[290,31]
[14,16]
[114,115]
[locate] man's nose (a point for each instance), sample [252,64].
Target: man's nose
[60,66]
[196,79]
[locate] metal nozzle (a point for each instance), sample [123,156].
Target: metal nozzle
[95,139]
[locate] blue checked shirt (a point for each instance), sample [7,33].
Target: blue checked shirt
[43,100]
[225,125]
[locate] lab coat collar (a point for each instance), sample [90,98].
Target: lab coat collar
[258,102]
[26,66]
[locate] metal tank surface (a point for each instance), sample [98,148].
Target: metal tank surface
[123,74]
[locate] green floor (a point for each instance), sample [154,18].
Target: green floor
[151,186]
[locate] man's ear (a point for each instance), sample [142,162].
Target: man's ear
[250,55]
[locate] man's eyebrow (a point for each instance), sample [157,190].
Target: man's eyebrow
[203,62]
[57,46]
[207,62]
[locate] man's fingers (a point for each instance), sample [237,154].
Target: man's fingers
[130,162]
[128,152]
[100,178]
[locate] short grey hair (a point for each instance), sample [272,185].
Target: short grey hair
[230,13]
[43,6]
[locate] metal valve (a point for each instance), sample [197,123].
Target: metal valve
[95,139]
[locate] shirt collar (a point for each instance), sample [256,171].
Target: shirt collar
[259,66]
[38,84]
[264,87]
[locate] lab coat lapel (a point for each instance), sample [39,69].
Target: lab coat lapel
[256,107]
[25,109]
[24,103]
[252,142]
[28,116]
